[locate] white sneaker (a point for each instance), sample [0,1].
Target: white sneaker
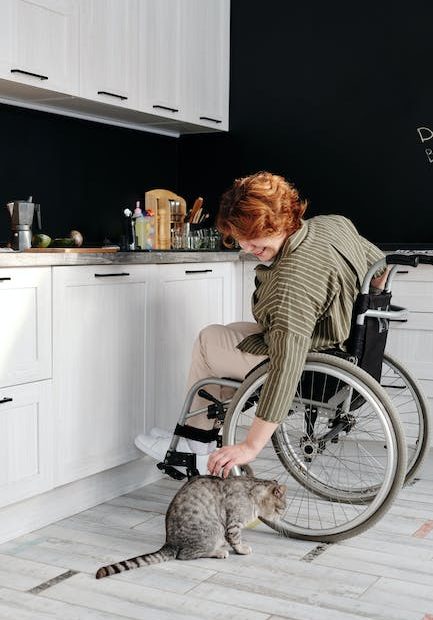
[156,447]
[160,432]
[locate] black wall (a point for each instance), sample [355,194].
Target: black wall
[82,173]
[330,94]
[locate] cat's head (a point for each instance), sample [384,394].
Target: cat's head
[272,501]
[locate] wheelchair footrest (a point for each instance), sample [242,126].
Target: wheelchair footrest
[171,471]
[179,459]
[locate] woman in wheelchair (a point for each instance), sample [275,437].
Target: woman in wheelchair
[303,300]
[293,392]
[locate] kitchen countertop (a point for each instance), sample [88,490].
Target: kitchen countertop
[29,259]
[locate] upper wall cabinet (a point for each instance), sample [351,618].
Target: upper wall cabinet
[160,58]
[155,65]
[39,43]
[207,61]
[184,60]
[108,51]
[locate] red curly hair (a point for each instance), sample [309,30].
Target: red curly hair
[259,205]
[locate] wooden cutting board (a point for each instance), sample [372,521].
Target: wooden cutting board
[75,250]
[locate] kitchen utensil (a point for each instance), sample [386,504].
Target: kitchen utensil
[198,202]
[157,200]
[22,213]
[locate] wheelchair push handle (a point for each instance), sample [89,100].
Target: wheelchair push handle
[412,260]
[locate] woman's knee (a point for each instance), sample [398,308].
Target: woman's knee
[211,334]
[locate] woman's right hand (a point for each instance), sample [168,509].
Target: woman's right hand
[224,459]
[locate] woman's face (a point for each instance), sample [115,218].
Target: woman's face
[264,248]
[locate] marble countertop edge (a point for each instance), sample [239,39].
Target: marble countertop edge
[54,259]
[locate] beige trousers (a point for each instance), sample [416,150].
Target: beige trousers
[215,355]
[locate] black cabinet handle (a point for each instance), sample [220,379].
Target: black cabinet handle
[5,400]
[198,271]
[111,275]
[3,279]
[104,92]
[402,272]
[207,118]
[164,107]
[37,75]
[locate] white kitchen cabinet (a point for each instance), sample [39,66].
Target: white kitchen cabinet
[155,65]
[100,333]
[26,441]
[39,44]
[207,62]
[108,51]
[412,342]
[188,298]
[184,60]
[161,57]
[25,324]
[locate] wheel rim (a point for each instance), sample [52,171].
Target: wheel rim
[406,400]
[322,501]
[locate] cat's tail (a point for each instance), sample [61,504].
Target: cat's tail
[167,552]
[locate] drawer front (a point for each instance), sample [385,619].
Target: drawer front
[25,325]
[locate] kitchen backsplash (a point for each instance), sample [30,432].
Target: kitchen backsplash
[81,173]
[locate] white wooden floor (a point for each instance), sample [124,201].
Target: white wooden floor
[386,573]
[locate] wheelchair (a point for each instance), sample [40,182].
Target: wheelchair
[357,430]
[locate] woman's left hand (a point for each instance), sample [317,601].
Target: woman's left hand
[222,460]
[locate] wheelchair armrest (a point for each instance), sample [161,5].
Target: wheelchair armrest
[399,313]
[394,313]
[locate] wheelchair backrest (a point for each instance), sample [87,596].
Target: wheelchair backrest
[367,341]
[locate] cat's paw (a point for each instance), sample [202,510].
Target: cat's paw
[243,549]
[221,554]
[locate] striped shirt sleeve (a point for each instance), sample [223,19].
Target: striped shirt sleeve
[287,354]
[373,254]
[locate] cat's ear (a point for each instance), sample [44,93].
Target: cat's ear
[280,490]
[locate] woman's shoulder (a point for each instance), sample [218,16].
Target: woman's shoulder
[330,222]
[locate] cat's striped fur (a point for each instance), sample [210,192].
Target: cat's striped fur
[167,552]
[207,513]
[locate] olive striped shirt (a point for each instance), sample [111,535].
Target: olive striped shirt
[303,302]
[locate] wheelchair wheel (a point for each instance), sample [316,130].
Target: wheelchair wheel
[340,449]
[413,409]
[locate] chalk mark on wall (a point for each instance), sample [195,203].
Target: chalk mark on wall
[425,134]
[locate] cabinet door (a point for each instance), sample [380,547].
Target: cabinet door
[108,51]
[190,296]
[26,441]
[160,57]
[206,70]
[25,324]
[100,320]
[39,43]
[412,342]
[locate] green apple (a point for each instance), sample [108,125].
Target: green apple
[40,241]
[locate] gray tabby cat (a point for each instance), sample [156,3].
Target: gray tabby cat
[205,514]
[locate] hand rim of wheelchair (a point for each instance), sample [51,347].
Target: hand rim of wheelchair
[396,461]
[417,458]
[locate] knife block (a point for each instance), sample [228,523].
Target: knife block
[157,201]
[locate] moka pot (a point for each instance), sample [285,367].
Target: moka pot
[22,212]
